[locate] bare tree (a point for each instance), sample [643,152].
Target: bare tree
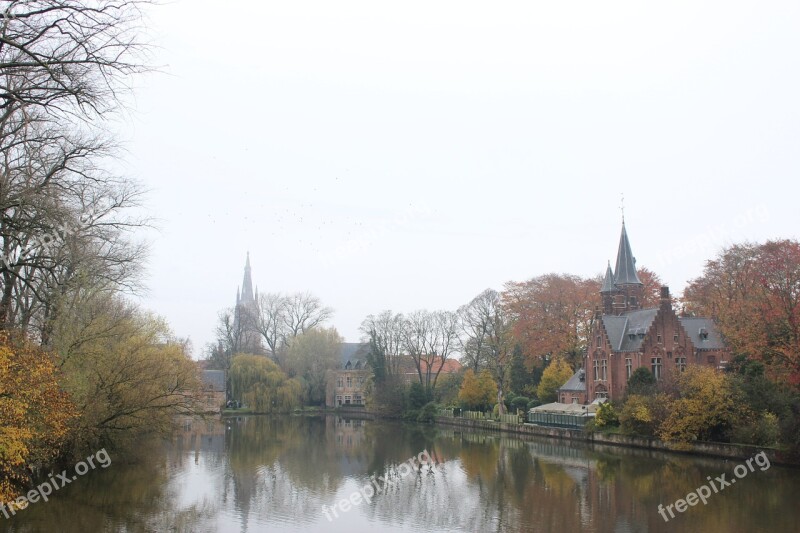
[68,57]
[487,338]
[430,338]
[64,65]
[271,321]
[304,311]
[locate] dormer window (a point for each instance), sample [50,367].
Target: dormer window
[703,334]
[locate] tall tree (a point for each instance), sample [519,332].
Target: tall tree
[552,315]
[430,339]
[384,332]
[310,357]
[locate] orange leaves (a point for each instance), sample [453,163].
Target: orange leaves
[753,291]
[552,313]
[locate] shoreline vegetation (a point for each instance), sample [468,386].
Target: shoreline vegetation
[609,438]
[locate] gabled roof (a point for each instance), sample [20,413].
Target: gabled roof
[626,332]
[625,273]
[575,383]
[608,282]
[703,332]
[214,380]
[354,354]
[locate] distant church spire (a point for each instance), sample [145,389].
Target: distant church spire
[247,283]
[625,273]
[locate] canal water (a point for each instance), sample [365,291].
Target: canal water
[334,474]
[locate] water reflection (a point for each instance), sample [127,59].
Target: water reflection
[276,473]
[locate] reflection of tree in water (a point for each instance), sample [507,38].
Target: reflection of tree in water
[267,473]
[132,495]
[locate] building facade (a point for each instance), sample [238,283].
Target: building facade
[347,384]
[626,337]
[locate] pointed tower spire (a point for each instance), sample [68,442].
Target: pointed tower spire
[608,282]
[625,273]
[247,283]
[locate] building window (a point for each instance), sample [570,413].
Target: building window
[598,395]
[628,367]
[357,399]
[596,369]
[711,359]
[340,382]
[598,341]
[656,366]
[658,339]
[604,369]
[338,400]
[349,381]
[360,380]
[675,338]
[347,400]
[680,363]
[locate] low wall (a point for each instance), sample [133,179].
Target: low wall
[714,449]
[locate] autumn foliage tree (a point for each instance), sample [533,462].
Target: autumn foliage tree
[552,315]
[753,292]
[477,392]
[705,409]
[554,376]
[35,413]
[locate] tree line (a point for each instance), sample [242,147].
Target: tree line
[81,367]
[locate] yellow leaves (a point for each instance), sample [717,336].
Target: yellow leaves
[35,414]
[479,391]
[704,409]
[553,377]
[261,385]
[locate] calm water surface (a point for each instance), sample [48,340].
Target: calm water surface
[276,474]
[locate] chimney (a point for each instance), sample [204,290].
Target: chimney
[666,301]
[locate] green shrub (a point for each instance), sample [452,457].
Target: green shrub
[762,430]
[427,413]
[520,402]
[533,403]
[606,416]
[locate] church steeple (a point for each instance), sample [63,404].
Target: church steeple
[608,282]
[622,290]
[247,283]
[625,273]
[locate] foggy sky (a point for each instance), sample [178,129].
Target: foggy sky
[408,155]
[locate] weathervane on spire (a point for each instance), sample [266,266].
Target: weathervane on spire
[622,206]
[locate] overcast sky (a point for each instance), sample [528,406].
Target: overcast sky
[407,155]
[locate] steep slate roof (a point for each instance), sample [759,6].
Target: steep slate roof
[608,282]
[693,326]
[575,383]
[214,380]
[620,329]
[353,353]
[625,272]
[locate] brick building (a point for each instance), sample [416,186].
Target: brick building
[347,384]
[625,336]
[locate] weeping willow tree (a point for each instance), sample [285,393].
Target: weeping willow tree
[262,386]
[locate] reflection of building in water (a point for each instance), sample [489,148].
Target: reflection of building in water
[199,435]
[348,432]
